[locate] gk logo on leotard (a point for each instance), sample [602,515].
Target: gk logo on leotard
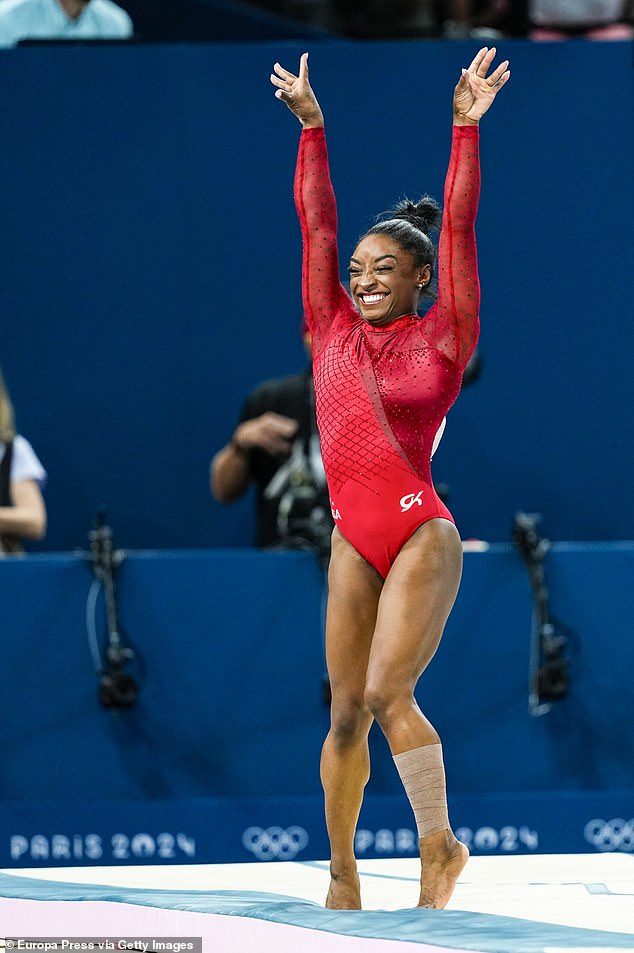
[409,499]
[336,515]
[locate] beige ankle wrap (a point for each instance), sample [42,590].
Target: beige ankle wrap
[423,775]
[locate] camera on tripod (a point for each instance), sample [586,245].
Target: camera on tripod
[117,689]
[549,670]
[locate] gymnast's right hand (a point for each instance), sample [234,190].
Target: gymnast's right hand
[297,93]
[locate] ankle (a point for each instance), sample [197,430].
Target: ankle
[442,843]
[343,869]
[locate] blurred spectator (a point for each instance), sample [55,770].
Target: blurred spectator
[276,447]
[454,19]
[540,19]
[385,18]
[485,19]
[22,476]
[62,20]
[591,19]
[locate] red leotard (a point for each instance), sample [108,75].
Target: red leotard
[382,392]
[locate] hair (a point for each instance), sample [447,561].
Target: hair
[409,224]
[7,419]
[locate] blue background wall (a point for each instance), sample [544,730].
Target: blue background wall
[150,279]
[151,270]
[231,668]
[229,722]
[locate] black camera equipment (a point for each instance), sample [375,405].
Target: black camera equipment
[117,689]
[548,672]
[303,517]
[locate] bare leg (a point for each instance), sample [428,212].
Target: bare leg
[417,598]
[353,594]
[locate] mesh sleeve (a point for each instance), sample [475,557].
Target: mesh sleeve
[452,324]
[324,297]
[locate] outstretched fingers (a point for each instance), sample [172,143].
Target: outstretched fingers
[481,64]
[481,61]
[500,75]
[283,74]
[297,93]
[282,79]
[476,90]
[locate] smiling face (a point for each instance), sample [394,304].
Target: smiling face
[384,280]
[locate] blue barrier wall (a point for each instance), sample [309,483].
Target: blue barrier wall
[151,270]
[231,667]
[229,721]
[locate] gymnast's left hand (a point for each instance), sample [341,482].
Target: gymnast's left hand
[298,94]
[475,90]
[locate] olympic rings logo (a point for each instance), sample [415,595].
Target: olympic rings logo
[617,834]
[275,843]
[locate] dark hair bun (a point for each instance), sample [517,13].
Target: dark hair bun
[424,214]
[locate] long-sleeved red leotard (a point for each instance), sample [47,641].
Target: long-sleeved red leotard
[382,392]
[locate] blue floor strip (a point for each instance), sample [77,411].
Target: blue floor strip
[449,928]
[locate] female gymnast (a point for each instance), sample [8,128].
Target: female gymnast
[384,379]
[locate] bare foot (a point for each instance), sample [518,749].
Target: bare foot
[345,891]
[443,858]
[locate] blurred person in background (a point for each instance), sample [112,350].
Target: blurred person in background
[484,19]
[453,19]
[541,19]
[588,19]
[22,477]
[275,447]
[62,20]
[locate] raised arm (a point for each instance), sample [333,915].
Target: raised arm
[323,294]
[453,322]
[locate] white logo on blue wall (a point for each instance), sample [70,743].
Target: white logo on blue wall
[617,834]
[386,842]
[404,841]
[505,839]
[78,847]
[275,843]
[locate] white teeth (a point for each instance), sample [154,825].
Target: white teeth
[372,299]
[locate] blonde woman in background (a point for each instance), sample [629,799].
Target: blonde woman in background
[22,477]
